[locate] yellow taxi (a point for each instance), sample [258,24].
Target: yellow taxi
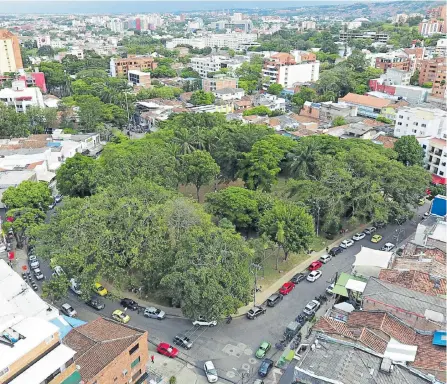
[376,238]
[120,316]
[100,290]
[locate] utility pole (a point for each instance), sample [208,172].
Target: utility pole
[256,268]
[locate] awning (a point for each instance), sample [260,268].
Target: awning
[435,179]
[354,285]
[439,338]
[400,352]
[74,378]
[142,378]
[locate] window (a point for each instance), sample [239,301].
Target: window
[135,362]
[115,379]
[134,349]
[416,124]
[401,117]
[441,173]
[136,375]
[424,146]
[399,123]
[414,130]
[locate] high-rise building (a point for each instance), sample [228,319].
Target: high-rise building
[435,23]
[10,56]
[434,71]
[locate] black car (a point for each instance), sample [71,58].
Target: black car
[255,312]
[274,299]
[297,278]
[265,367]
[379,224]
[183,341]
[96,304]
[335,251]
[129,303]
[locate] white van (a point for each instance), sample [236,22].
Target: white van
[325,258]
[75,286]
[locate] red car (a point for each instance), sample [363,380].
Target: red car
[286,288]
[315,265]
[167,350]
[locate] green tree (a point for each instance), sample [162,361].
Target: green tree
[189,72]
[45,50]
[414,79]
[202,98]
[260,110]
[24,220]
[77,176]
[304,94]
[55,288]
[339,120]
[275,89]
[13,124]
[289,225]
[198,168]
[28,194]
[409,151]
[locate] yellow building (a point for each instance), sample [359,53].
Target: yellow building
[10,56]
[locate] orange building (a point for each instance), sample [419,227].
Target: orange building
[121,67]
[434,71]
[10,56]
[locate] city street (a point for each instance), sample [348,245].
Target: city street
[232,346]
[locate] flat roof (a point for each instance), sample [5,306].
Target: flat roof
[372,257]
[44,367]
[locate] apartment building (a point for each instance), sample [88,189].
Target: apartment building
[21,97]
[43,40]
[394,76]
[205,65]
[138,78]
[379,37]
[435,23]
[366,105]
[421,122]
[441,47]
[234,41]
[121,67]
[123,350]
[10,56]
[435,156]
[401,62]
[283,69]
[218,82]
[227,94]
[434,71]
[31,350]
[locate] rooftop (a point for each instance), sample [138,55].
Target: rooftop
[98,343]
[368,101]
[386,141]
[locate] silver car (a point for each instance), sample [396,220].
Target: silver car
[38,274]
[34,264]
[68,310]
[154,313]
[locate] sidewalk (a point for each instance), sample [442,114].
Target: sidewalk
[261,297]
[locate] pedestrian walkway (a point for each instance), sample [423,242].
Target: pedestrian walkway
[163,368]
[261,297]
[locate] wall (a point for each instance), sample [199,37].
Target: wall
[374,85]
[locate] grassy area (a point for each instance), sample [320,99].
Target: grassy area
[190,190]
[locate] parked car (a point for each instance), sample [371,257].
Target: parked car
[315,265]
[210,371]
[359,236]
[120,316]
[68,310]
[263,349]
[255,312]
[38,274]
[75,286]
[376,238]
[34,264]
[167,350]
[201,321]
[154,313]
[314,276]
[379,224]
[58,198]
[298,278]
[95,303]
[182,341]
[129,303]
[387,247]
[286,288]
[346,243]
[335,251]
[58,270]
[100,290]
[370,230]
[330,288]
[311,307]
[325,258]
[274,299]
[52,205]
[265,367]
[32,258]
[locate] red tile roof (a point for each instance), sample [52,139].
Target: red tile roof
[388,142]
[438,142]
[414,280]
[373,341]
[368,101]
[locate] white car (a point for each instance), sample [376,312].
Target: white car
[330,288]
[68,310]
[34,264]
[388,247]
[311,307]
[314,276]
[210,372]
[325,259]
[32,258]
[58,270]
[154,313]
[204,323]
[370,230]
[358,236]
[346,243]
[38,274]
[75,286]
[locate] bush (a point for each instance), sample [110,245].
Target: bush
[384,120]
[172,380]
[427,85]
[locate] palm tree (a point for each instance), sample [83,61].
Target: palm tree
[301,161]
[184,139]
[280,237]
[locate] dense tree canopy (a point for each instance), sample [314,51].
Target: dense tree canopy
[409,150]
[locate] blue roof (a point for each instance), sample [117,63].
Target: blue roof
[439,206]
[53,144]
[66,324]
[439,338]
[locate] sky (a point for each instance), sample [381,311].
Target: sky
[124,6]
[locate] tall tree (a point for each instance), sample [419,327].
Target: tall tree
[28,194]
[409,151]
[24,220]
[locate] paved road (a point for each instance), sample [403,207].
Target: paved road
[232,346]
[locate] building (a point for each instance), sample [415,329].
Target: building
[218,82]
[441,47]
[227,94]
[234,41]
[31,350]
[435,156]
[393,61]
[420,122]
[123,352]
[20,97]
[43,40]
[407,92]
[138,78]
[205,65]
[34,79]
[10,56]
[375,36]
[430,69]
[120,67]
[366,105]
[283,69]
[436,22]
[328,110]
[272,102]
[307,25]
[394,76]
[369,262]
[116,25]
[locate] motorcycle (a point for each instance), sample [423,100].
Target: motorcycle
[229,319]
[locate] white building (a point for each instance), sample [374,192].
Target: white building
[274,103]
[57,44]
[227,94]
[441,47]
[116,25]
[395,76]
[308,25]
[205,65]
[21,97]
[43,40]
[420,122]
[435,155]
[230,40]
